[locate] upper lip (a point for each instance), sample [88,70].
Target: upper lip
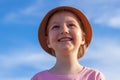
[65,38]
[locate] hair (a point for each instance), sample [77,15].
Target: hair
[82,47]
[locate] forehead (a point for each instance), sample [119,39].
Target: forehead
[65,13]
[62,15]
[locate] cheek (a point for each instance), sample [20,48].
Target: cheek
[50,41]
[78,36]
[52,36]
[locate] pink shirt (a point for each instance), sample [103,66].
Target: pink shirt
[85,74]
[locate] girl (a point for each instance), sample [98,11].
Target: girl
[66,33]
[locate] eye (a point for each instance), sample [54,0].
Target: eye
[71,25]
[55,27]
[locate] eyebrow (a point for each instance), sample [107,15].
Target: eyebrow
[72,21]
[55,22]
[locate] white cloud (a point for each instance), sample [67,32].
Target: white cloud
[115,21]
[105,49]
[23,58]
[110,19]
[28,58]
[103,12]
[104,54]
[34,9]
[10,17]
[26,14]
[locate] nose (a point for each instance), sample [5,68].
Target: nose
[64,29]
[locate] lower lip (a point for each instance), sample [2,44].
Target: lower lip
[65,41]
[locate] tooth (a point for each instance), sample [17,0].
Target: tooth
[65,39]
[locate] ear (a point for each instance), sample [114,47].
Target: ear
[48,42]
[83,40]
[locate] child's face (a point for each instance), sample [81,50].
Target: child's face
[64,33]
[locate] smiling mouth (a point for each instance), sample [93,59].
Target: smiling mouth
[64,39]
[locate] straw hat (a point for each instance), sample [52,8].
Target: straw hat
[42,27]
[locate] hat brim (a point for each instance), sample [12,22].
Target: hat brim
[42,35]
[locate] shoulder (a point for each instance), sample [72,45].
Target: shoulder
[40,75]
[93,74]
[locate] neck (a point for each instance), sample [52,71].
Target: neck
[66,65]
[67,61]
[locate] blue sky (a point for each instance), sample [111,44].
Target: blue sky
[21,55]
